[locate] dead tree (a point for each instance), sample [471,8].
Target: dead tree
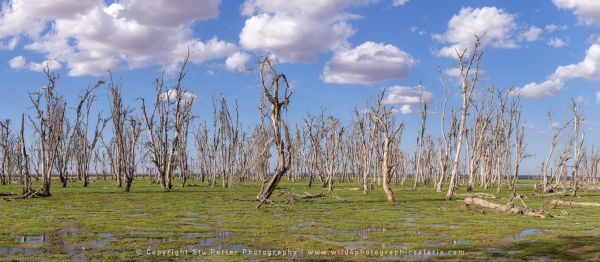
[270,80]
[363,153]
[555,136]
[315,130]
[333,142]
[419,174]
[516,110]
[389,134]
[468,82]
[116,147]
[132,134]
[6,152]
[577,143]
[84,146]
[229,143]
[49,118]
[164,134]
[25,160]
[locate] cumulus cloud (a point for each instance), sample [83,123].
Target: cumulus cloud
[171,95]
[532,34]
[588,69]
[399,2]
[554,27]
[237,62]
[497,29]
[406,110]
[294,30]
[407,95]
[556,42]
[367,63]
[19,62]
[587,11]
[91,36]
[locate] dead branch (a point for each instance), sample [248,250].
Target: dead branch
[557,202]
[510,209]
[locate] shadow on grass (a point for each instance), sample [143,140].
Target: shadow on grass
[573,248]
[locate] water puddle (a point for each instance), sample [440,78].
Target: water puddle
[30,239]
[525,233]
[19,251]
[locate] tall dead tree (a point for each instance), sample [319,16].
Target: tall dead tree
[25,160]
[516,110]
[270,81]
[577,143]
[333,148]
[389,133]
[468,82]
[557,132]
[420,172]
[84,146]
[132,135]
[116,147]
[6,152]
[49,118]
[363,153]
[165,124]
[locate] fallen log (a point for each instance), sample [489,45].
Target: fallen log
[511,209]
[571,203]
[308,195]
[479,195]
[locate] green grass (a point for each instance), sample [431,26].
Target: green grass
[101,222]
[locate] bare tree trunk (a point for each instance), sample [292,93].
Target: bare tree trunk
[467,87]
[278,104]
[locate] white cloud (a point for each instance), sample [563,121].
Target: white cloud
[496,28]
[407,95]
[594,39]
[556,42]
[598,97]
[587,11]
[171,95]
[554,27]
[399,2]
[532,34]
[237,62]
[48,63]
[588,69]
[406,110]
[91,37]
[169,13]
[10,44]
[367,63]
[17,62]
[295,30]
[537,91]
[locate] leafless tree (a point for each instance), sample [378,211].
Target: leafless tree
[49,119]
[84,146]
[468,82]
[389,133]
[577,142]
[270,80]
[165,134]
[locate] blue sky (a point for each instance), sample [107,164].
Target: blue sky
[337,53]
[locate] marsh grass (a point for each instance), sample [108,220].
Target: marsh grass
[101,222]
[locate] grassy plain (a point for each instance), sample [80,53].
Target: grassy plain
[101,222]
